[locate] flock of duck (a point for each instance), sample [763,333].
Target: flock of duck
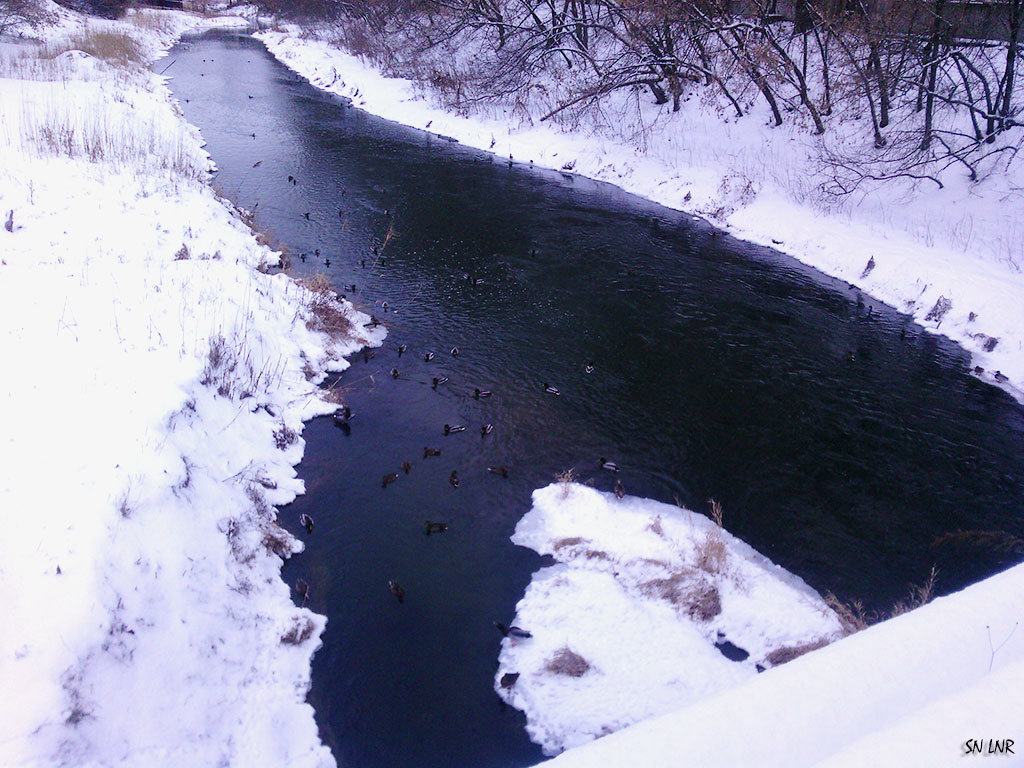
[344,415]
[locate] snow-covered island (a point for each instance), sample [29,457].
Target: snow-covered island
[157,372]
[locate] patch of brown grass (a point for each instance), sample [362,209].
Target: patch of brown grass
[568,541]
[326,314]
[301,630]
[790,652]
[703,601]
[112,46]
[711,553]
[567,662]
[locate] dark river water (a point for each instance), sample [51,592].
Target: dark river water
[842,442]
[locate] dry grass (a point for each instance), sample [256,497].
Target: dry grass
[703,601]
[112,46]
[790,652]
[567,662]
[301,630]
[566,478]
[711,553]
[326,314]
[853,617]
[700,599]
[569,541]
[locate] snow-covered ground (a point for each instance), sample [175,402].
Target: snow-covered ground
[951,257]
[156,376]
[909,692]
[625,626]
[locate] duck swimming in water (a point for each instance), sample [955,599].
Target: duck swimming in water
[512,631]
[436,527]
[402,348]
[478,393]
[451,429]
[455,351]
[428,357]
[509,679]
[306,522]
[396,590]
[589,368]
[388,479]
[428,452]
[611,466]
[503,471]
[453,479]
[439,380]
[486,429]
[406,467]
[551,390]
[394,373]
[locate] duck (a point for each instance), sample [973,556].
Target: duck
[611,466]
[478,393]
[402,348]
[436,527]
[428,357]
[306,214]
[486,429]
[388,479]
[374,322]
[620,492]
[406,467]
[1001,377]
[590,367]
[396,590]
[508,679]
[439,380]
[302,588]
[362,263]
[451,429]
[306,522]
[302,256]
[368,355]
[327,262]
[551,390]
[512,631]
[394,373]
[455,351]
[352,287]
[428,452]
[502,471]
[453,479]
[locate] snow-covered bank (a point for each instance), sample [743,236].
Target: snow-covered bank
[910,691]
[156,379]
[625,626]
[950,257]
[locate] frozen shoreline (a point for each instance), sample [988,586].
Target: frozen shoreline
[909,238]
[146,622]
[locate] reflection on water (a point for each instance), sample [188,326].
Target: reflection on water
[841,442]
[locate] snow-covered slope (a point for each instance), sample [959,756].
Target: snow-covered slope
[625,626]
[155,381]
[908,692]
[914,247]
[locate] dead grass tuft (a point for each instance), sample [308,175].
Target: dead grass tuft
[326,314]
[567,662]
[711,553]
[567,478]
[789,652]
[703,601]
[569,541]
[112,46]
[301,630]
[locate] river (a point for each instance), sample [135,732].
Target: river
[841,439]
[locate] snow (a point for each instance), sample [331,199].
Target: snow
[631,595]
[908,692]
[157,377]
[963,243]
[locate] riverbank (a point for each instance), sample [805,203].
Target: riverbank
[949,257]
[159,371]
